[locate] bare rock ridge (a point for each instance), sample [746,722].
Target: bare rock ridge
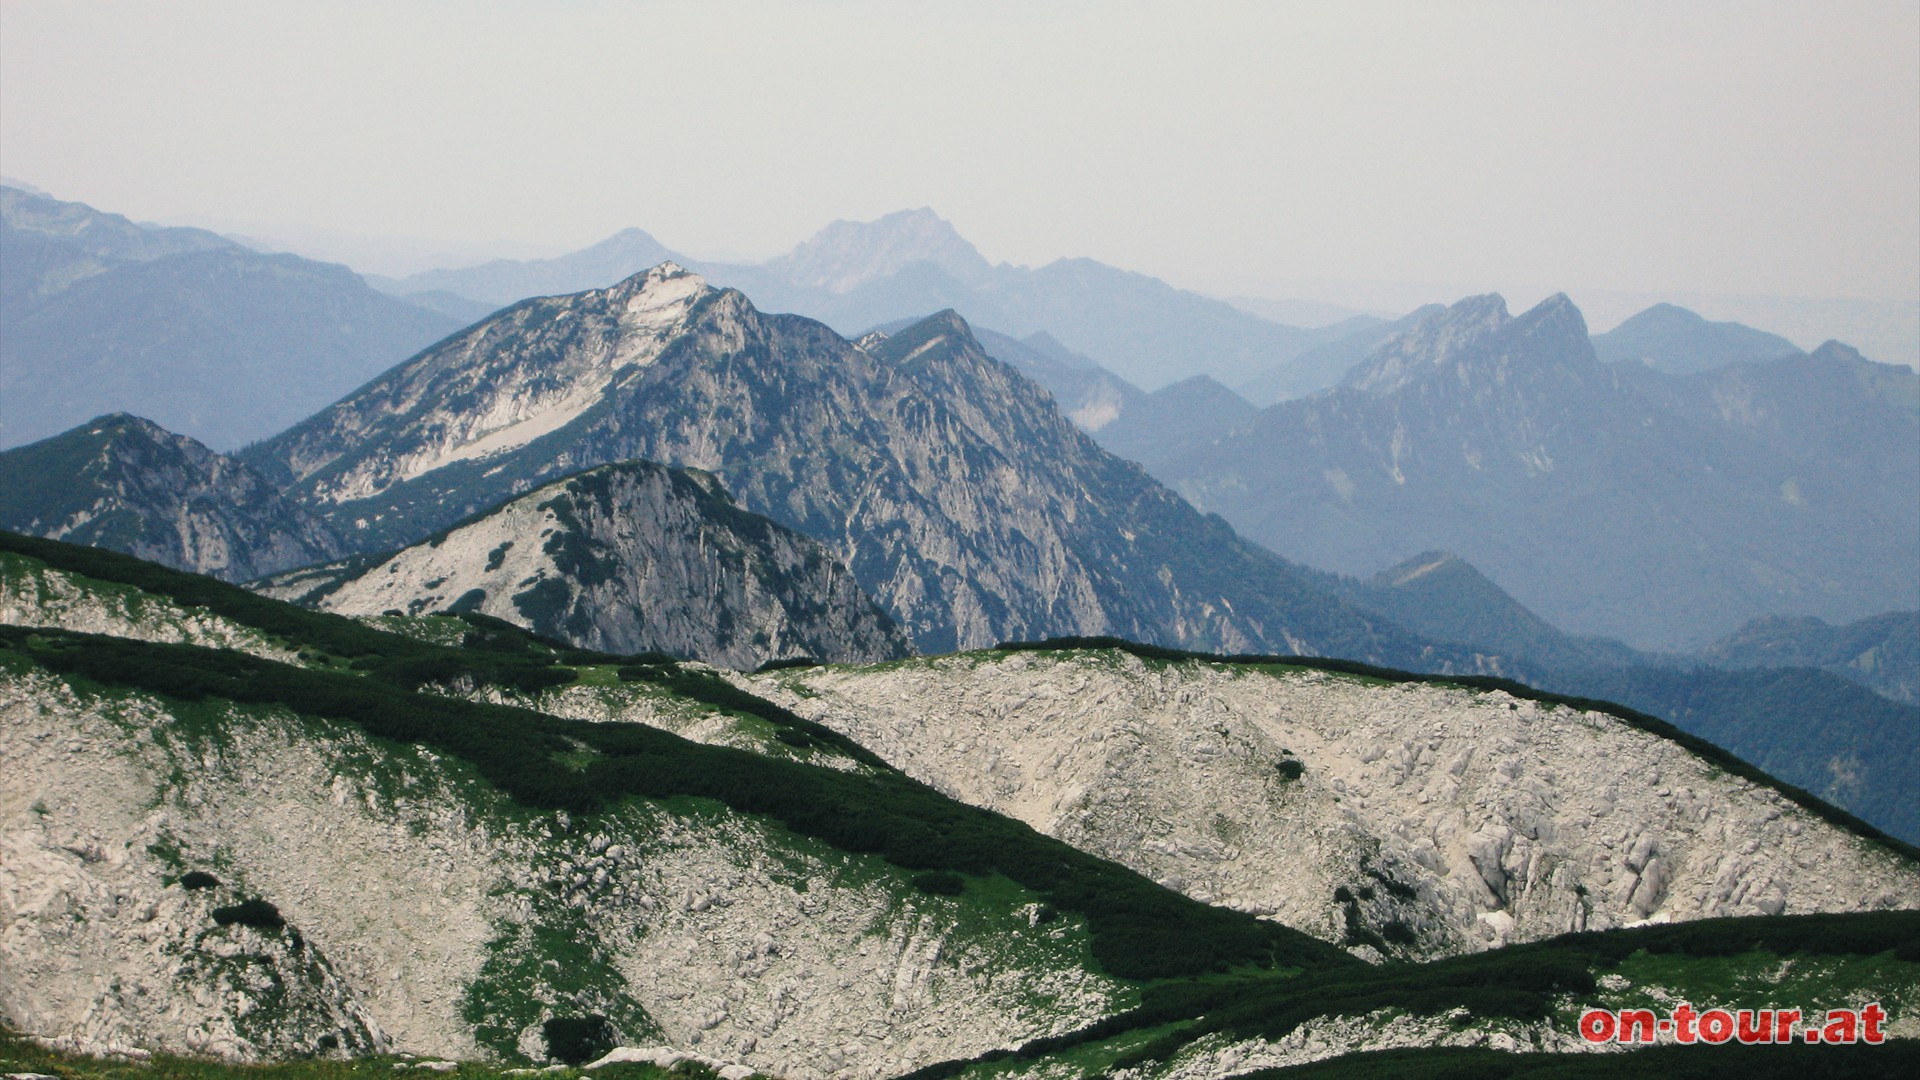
[128,484]
[1422,818]
[625,559]
[952,487]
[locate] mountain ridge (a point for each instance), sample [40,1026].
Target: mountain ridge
[625,558]
[854,447]
[124,482]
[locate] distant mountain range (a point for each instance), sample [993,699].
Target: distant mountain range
[1614,499]
[857,275]
[956,493]
[201,335]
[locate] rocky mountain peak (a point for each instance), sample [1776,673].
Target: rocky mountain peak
[626,558]
[1556,314]
[660,296]
[124,482]
[848,254]
[1476,339]
[1432,342]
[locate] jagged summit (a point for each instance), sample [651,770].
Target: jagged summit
[848,254]
[1478,333]
[961,499]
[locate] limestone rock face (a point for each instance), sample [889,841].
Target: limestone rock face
[125,483]
[1443,819]
[626,558]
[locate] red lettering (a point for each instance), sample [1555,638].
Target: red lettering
[1716,1025]
[1755,1027]
[1870,1018]
[1683,1016]
[1783,1022]
[1842,1027]
[1597,1026]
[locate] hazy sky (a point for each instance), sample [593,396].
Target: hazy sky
[1744,147]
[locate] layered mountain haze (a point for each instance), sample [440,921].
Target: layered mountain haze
[856,275]
[626,558]
[201,335]
[504,281]
[1613,499]
[1881,652]
[128,484]
[951,486]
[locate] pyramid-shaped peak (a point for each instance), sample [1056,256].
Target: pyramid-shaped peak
[1558,312]
[848,254]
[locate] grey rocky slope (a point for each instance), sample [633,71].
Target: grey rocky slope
[247,870]
[209,338]
[1456,819]
[128,484]
[1088,394]
[950,485]
[1612,499]
[625,559]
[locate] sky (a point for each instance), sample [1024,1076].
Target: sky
[1732,148]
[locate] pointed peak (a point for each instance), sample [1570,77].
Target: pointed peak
[942,327]
[1556,311]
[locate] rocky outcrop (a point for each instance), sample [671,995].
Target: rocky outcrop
[1412,817]
[125,483]
[625,559]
